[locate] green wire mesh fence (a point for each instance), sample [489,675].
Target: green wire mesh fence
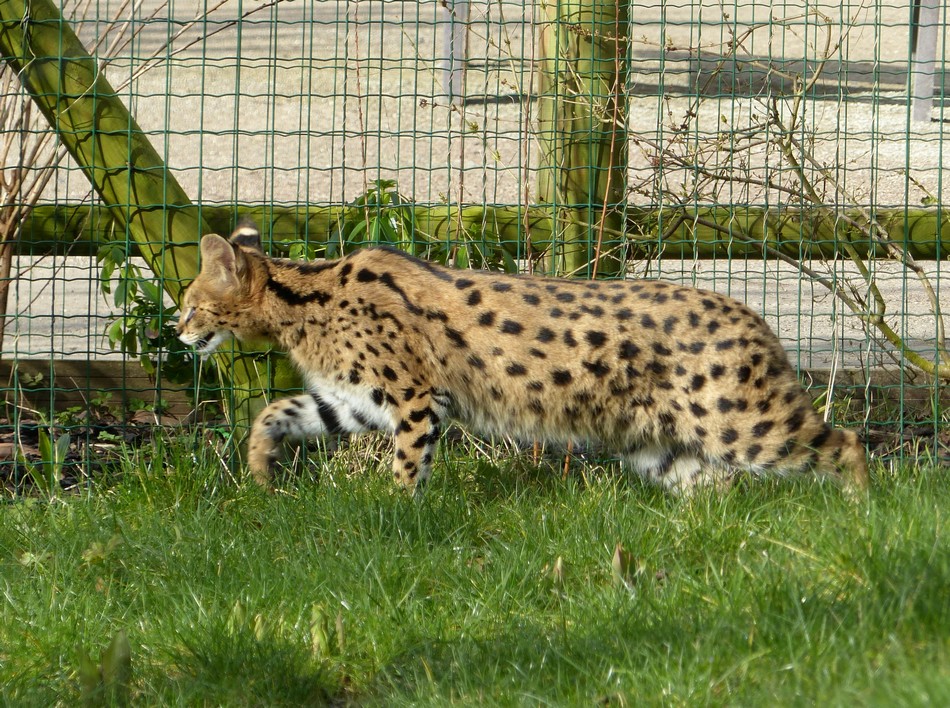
[790,155]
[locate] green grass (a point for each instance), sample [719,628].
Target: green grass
[774,593]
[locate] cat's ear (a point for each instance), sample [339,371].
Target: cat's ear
[246,234]
[223,264]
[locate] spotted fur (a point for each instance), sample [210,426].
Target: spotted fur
[685,385]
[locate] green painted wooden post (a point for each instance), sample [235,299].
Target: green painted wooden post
[581,130]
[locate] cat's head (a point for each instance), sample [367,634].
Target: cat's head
[220,302]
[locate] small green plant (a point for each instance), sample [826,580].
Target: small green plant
[145,329]
[384,216]
[107,681]
[47,472]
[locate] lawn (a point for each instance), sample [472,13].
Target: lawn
[501,586]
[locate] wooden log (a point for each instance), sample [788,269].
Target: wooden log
[708,232]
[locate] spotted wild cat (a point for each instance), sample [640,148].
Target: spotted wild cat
[685,385]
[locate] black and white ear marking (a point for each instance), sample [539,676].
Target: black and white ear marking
[246,234]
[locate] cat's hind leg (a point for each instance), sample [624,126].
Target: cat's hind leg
[675,469]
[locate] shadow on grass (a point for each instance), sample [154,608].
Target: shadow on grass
[222,668]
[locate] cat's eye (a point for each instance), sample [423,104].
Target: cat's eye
[188,315]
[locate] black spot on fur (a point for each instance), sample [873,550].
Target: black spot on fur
[667,422]
[291,297]
[456,338]
[500,287]
[569,338]
[595,339]
[387,280]
[697,382]
[390,374]
[426,439]
[463,283]
[717,370]
[366,276]
[762,428]
[516,369]
[725,344]
[531,299]
[697,410]
[660,349]
[561,377]
[724,405]
[647,322]
[420,415]
[511,327]
[475,361]
[597,368]
[729,436]
[795,421]
[328,416]
[545,335]
[743,373]
[474,298]
[486,319]
[820,439]
[629,350]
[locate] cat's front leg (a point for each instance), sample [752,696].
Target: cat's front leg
[417,434]
[290,419]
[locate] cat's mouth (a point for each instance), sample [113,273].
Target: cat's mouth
[206,344]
